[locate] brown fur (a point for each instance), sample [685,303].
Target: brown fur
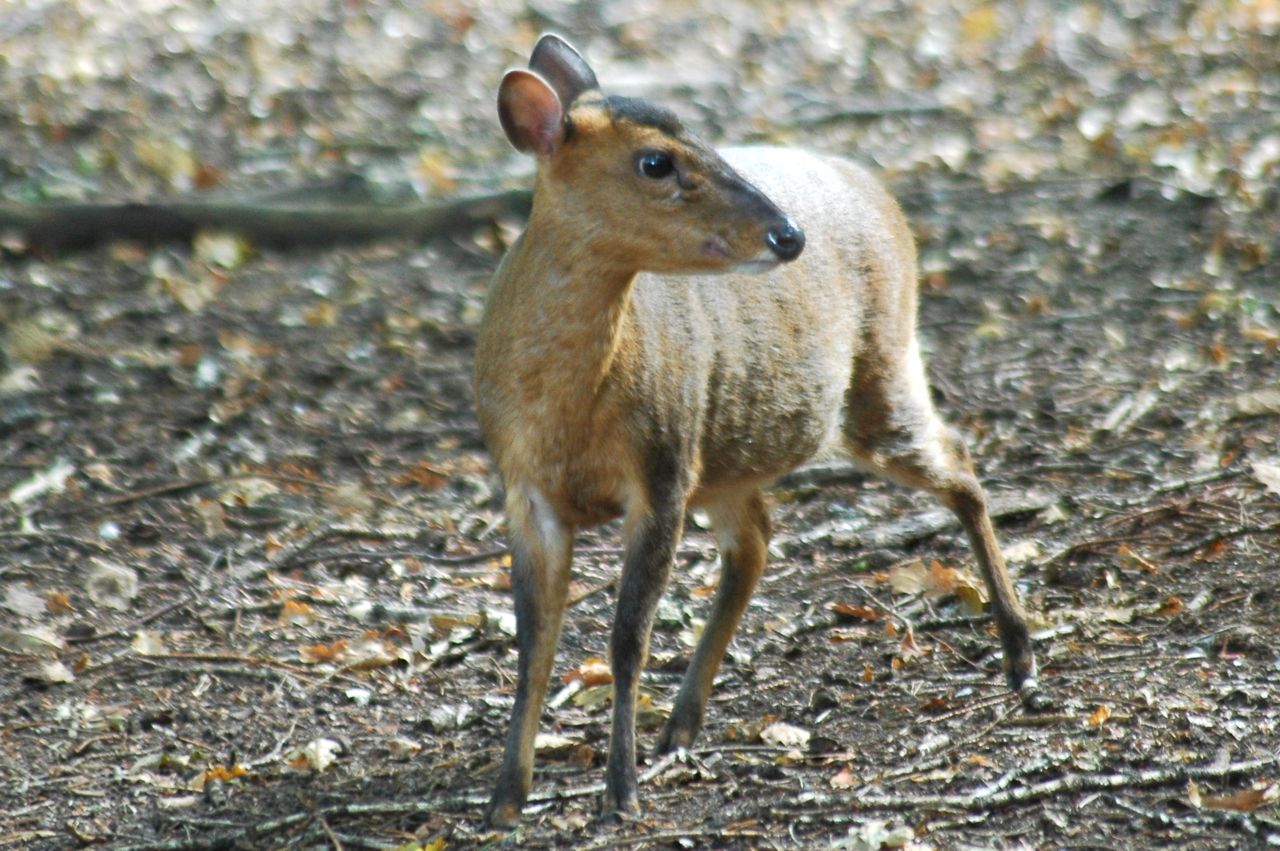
[608,386]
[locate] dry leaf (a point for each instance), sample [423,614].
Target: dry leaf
[148,643]
[907,647]
[1268,473]
[423,475]
[24,602]
[1244,801]
[223,249]
[401,748]
[58,603]
[295,612]
[554,746]
[908,578]
[315,654]
[52,480]
[111,584]
[857,613]
[1258,403]
[51,672]
[316,755]
[448,623]
[370,653]
[843,779]
[595,698]
[593,671]
[1025,550]
[784,735]
[36,641]
[218,773]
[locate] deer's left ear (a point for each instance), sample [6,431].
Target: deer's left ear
[531,113]
[563,67]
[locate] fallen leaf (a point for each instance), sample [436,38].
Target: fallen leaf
[317,755]
[316,654]
[1244,801]
[594,698]
[402,748]
[34,339]
[58,603]
[908,578]
[448,623]
[1258,403]
[424,475]
[148,643]
[295,612]
[1022,551]
[35,641]
[784,735]
[51,672]
[554,746]
[843,779]
[52,480]
[219,774]
[1193,795]
[877,835]
[370,653]
[111,584]
[857,613]
[1268,473]
[24,602]
[907,647]
[593,671]
[223,249]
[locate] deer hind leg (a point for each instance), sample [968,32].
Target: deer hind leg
[892,429]
[742,525]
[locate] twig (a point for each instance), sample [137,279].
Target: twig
[1223,535]
[423,555]
[992,796]
[592,591]
[294,550]
[913,529]
[44,535]
[324,825]
[125,632]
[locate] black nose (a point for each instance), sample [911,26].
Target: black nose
[785,240]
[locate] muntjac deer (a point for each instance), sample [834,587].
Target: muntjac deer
[617,376]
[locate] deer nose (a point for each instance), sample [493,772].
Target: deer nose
[786,241]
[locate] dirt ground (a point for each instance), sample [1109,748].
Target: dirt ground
[253,588]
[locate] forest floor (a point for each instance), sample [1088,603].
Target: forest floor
[253,584]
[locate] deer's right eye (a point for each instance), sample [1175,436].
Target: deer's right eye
[656,164]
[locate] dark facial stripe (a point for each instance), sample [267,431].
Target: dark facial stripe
[644,113]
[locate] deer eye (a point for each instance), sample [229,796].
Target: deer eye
[655,164]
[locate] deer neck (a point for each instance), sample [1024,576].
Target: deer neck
[566,312]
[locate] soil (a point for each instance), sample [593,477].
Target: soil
[253,588]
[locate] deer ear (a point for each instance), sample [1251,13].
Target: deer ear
[531,113]
[563,67]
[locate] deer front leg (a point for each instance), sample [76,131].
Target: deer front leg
[541,552]
[651,546]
